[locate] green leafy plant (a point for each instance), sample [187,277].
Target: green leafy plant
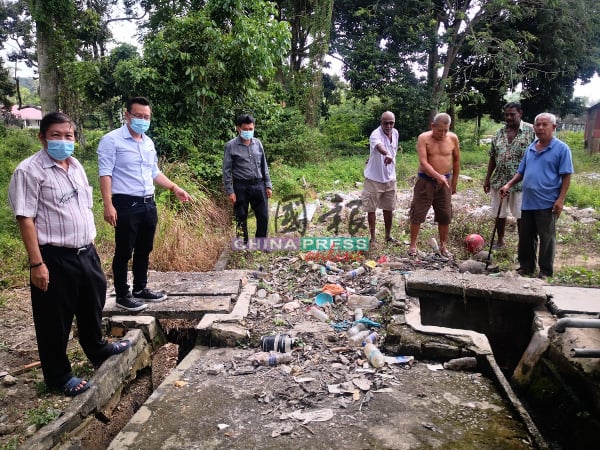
[278,322]
[577,276]
[12,444]
[42,415]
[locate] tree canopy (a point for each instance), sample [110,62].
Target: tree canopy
[204,61]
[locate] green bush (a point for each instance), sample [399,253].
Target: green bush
[343,128]
[15,146]
[290,139]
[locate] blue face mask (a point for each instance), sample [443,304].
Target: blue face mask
[60,150]
[247,135]
[139,125]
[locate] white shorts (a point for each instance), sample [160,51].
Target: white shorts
[512,202]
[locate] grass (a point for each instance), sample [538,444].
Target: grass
[577,276]
[12,444]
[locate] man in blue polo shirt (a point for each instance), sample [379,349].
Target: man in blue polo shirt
[545,170]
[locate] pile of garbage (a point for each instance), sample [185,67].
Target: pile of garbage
[349,299]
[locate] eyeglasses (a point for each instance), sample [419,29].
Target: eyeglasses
[389,122]
[140,116]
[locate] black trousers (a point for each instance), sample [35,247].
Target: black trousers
[134,234]
[254,195]
[537,223]
[77,289]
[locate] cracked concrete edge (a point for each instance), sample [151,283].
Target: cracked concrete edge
[151,328]
[481,346]
[240,310]
[478,342]
[106,381]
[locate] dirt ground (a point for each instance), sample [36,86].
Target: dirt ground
[21,402]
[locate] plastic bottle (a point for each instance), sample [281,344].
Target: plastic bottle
[332,267]
[356,272]
[358,339]
[318,313]
[363,301]
[321,269]
[280,343]
[373,354]
[383,293]
[372,338]
[271,359]
[358,314]
[435,247]
[356,329]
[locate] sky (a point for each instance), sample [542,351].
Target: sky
[591,91]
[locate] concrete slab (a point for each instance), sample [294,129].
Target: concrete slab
[512,289]
[198,283]
[191,295]
[107,383]
[573,300]
[216,399]
[183,307]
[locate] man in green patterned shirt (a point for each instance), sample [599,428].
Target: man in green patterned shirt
[506,152]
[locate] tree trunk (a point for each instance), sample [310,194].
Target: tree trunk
[46,68]
[319,49]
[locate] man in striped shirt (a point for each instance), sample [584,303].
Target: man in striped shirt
[51,199]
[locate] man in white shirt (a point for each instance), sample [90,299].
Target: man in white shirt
[128,168]
[380,175]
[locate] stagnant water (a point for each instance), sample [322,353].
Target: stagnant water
[554,398]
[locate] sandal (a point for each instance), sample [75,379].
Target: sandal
[446,254]
[117,347]
[413,253]
[75,386]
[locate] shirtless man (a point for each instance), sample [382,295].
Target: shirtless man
[439,166]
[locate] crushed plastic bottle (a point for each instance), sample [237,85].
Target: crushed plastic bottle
[358,339]
[383,293]
[332,267]
[373,354]
[372,338]
[363,301]
[356,329]
[355,272]
[358,314]
[319,314]
[270,358]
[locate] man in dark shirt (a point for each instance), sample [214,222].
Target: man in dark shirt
[246,178]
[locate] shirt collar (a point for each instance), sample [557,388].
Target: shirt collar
[126,134]
[48,162]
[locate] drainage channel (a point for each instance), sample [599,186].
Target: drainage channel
[554,392]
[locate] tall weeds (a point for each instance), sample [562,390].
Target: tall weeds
[191,238]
